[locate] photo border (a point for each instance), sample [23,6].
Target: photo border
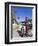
[7,28]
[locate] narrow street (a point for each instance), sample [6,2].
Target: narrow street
[16,34]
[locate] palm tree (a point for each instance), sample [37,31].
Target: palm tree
[30,20]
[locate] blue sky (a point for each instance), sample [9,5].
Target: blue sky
[22,13]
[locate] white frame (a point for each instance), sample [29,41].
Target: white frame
[33,21]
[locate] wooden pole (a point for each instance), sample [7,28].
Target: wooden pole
[26,25]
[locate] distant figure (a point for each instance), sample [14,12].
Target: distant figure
[22,30]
